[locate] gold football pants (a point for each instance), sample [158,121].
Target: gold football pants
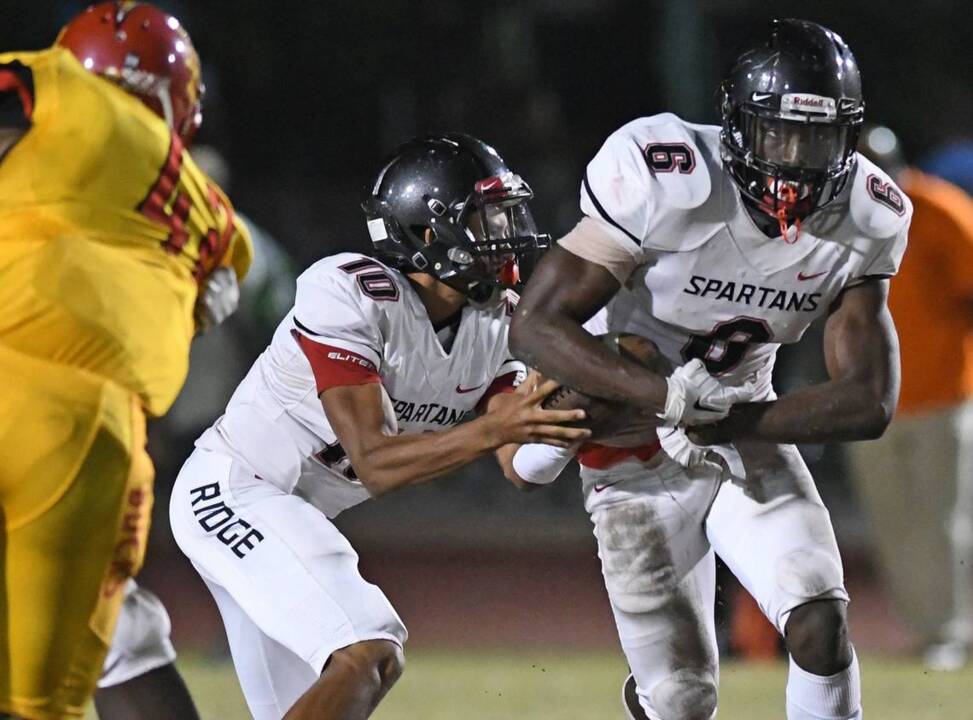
[75,498]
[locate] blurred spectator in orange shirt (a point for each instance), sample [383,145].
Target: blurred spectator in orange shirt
[916,482]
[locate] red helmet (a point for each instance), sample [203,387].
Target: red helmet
[145,51]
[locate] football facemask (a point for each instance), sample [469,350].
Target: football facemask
[500,228]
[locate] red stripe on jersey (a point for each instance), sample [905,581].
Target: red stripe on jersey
[502,384]
[335,367]
[10,82]
[599,457]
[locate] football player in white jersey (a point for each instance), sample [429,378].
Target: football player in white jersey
[721,243]
[361,392]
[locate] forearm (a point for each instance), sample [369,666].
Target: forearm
[398,461]
[861,354]
[547,333]
[834,411]
[559,347]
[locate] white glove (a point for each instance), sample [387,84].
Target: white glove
[218,298]
[678,446]
[696,398]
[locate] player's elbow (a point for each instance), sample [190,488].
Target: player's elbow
[878,419]
[372,477]
[875,417]
[374,484]
[517,481]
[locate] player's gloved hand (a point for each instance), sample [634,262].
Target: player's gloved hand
[677,445]
[695,397]
[218,298]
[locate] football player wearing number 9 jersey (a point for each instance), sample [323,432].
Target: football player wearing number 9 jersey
[721,243]
[114,250]
[360,393]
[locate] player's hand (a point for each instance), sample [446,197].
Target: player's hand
[218,298]
[518,417]
[695,397]
[533,380]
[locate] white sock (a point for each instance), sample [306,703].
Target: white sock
[813,697]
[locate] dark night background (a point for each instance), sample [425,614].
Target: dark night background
[304,99]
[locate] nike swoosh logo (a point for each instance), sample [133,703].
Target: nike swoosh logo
[600,488]
[802,276]
[847,105]
[462,390]
[760,97]
[704,408]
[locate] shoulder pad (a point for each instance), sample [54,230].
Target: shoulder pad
[345,299]
[672,154]
[645,169]
[357,276]
[878,206]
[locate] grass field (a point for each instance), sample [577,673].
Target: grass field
[586,686]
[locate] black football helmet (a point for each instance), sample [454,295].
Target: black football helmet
[460,190]
[792,109]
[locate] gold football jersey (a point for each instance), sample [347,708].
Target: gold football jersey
[107,229]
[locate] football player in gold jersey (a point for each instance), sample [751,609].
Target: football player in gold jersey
[115,249]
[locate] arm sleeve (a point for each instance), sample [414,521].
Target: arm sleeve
[541,464]
[16,96]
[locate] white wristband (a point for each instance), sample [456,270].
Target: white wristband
[541,464]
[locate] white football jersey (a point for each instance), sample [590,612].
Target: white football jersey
[710,284]
[367,313]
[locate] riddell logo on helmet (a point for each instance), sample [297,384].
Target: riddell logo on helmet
[808,104]
[808,101]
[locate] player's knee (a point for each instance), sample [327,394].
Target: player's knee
[688,694]
[817,637]
[373,665]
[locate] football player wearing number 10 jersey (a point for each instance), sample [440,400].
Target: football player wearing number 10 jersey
[720,244]
[114,250]
[361,392]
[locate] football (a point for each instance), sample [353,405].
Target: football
[618,422]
